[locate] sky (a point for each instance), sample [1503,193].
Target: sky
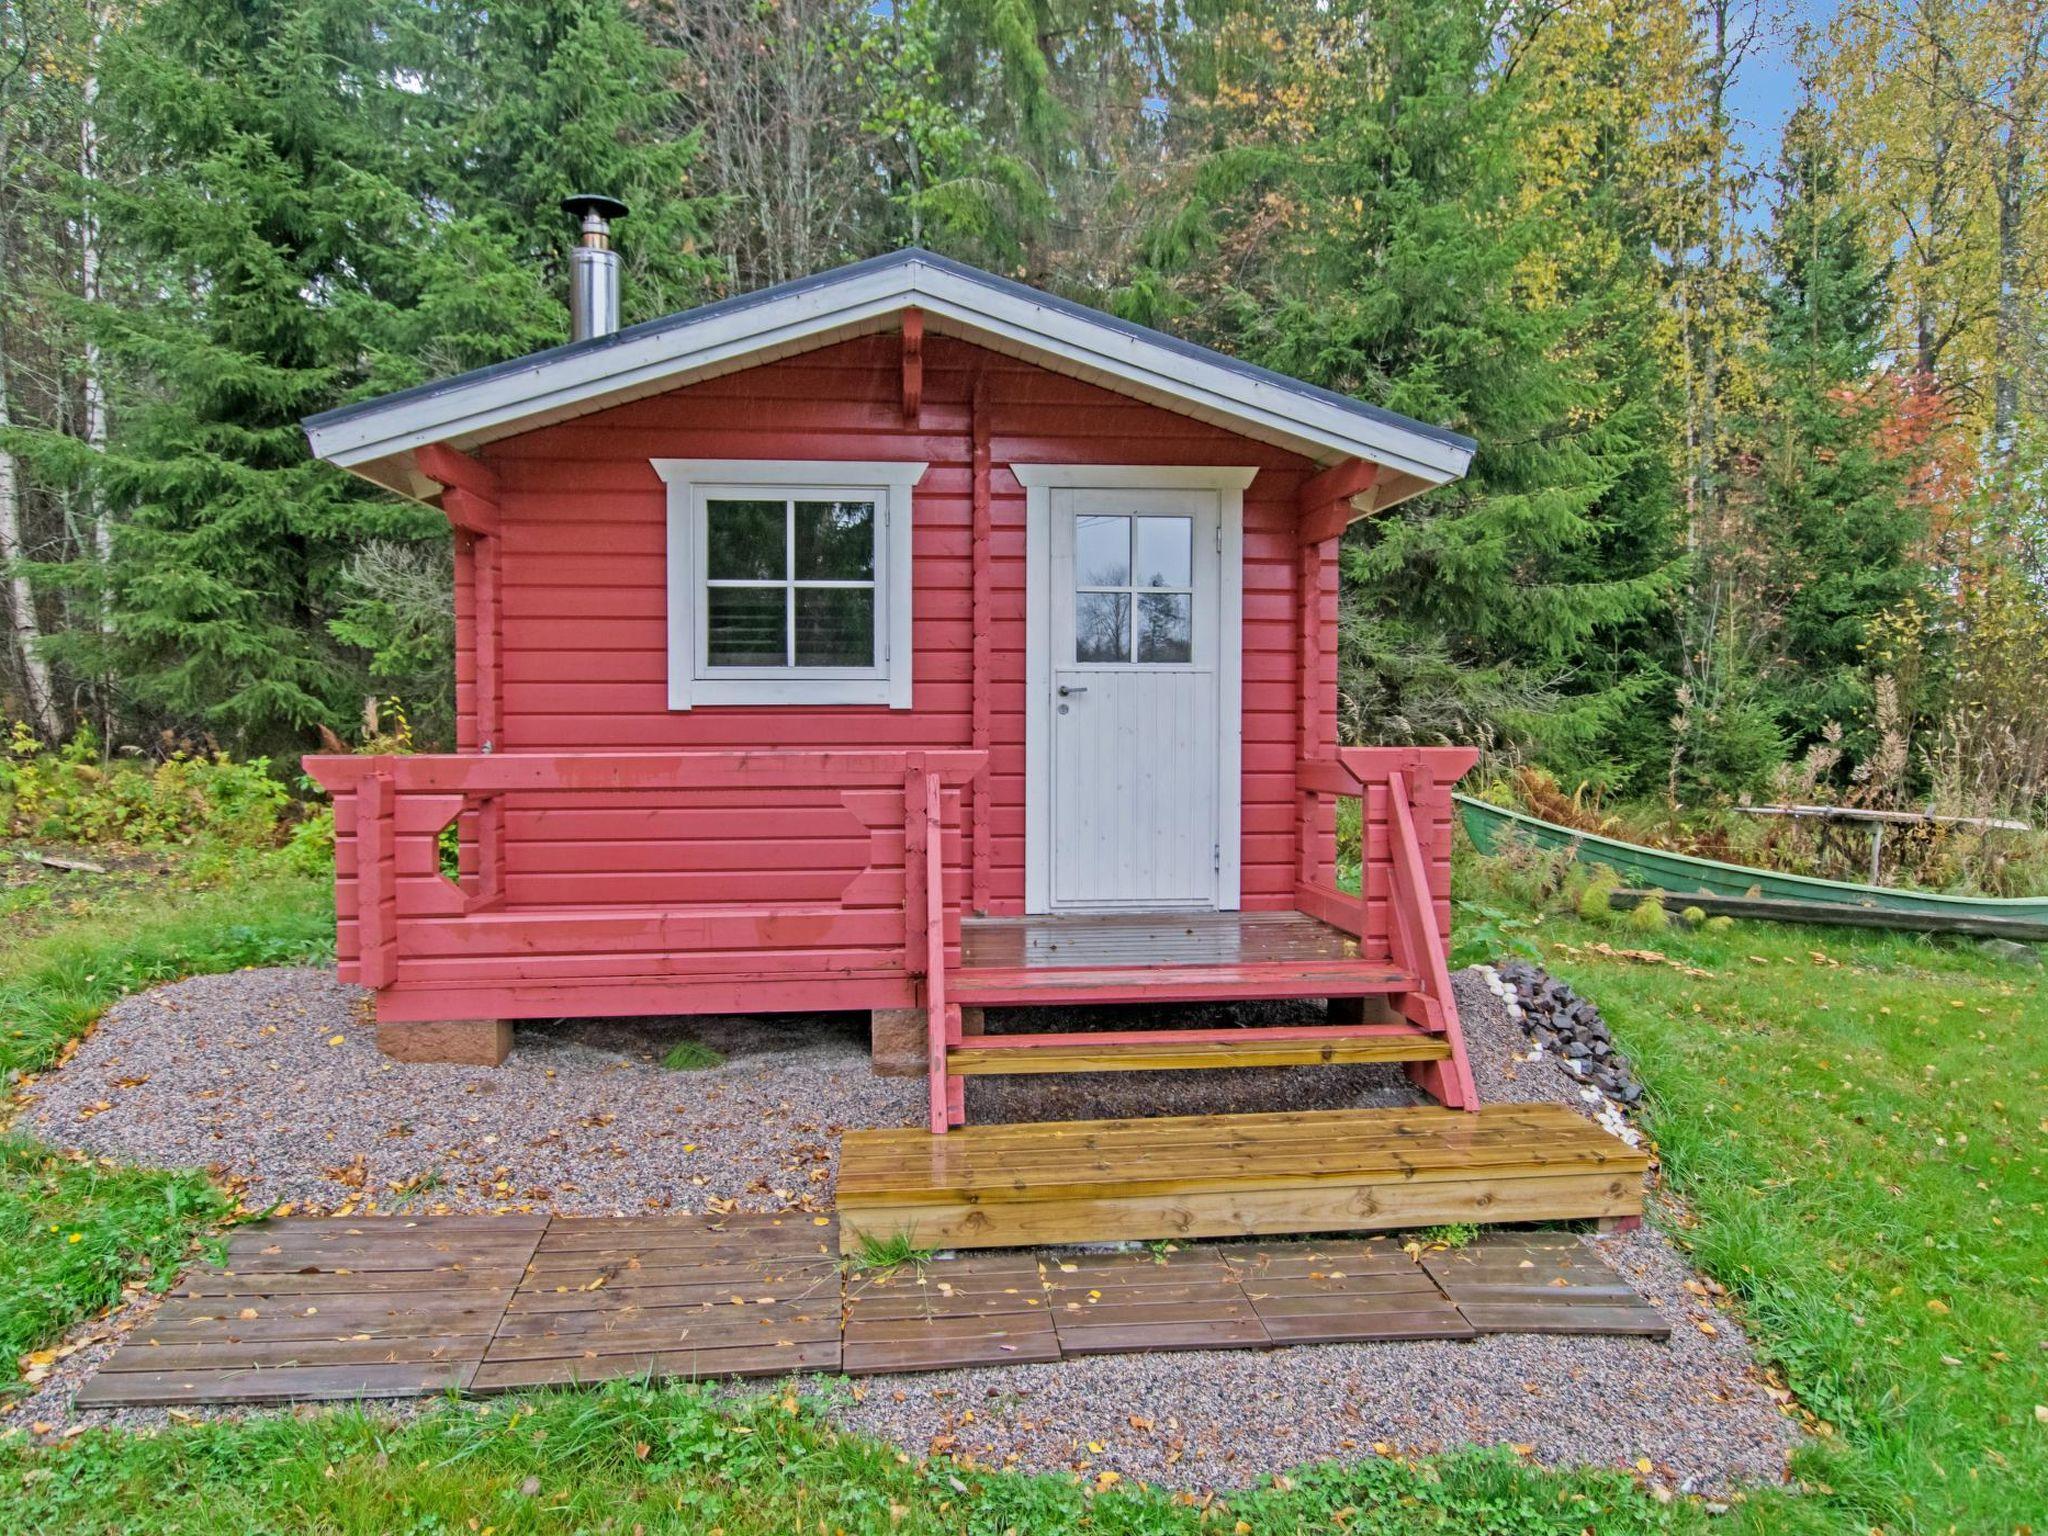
[1767,86]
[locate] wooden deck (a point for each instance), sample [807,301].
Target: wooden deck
[1207,1176]
[326,1309]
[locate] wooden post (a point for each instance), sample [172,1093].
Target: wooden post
[940,1021]
[916,829]
[376,882]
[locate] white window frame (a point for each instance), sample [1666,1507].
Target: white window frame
[693,482]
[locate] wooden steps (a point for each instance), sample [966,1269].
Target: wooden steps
[1192,1049]
[1244,981]
[1229,1175]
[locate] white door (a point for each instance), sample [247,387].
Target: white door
[1135,731]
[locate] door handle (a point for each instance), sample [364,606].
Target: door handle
[1067,693]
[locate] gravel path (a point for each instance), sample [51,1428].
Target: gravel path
[271,1079]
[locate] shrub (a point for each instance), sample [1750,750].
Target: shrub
[1596,901]
[1693,917]
[1720,924]
[70,795]
[1649,915]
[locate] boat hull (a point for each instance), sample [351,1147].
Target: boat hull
[1489,826]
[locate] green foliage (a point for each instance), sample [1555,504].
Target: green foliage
[53,986]
[339,200]
[1482,934]
[1649,916]
[74,1231]
[691,1056]
[1407,275]
[1596,902]
[70,795]
[1834,500]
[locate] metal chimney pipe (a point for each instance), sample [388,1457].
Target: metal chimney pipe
[593,267]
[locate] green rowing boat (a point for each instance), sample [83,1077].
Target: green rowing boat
[1682,874]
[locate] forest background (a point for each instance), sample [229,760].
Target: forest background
[1760,507]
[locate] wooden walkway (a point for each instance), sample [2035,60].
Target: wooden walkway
[1092,1181]
[312,1309]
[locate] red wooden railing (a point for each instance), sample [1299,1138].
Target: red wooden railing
[777,932]
[1402,907]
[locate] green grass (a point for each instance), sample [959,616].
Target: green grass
[891,1252]
[53,985]
[1857,1122]
[73,1231]
[692,1056]
[625,1458]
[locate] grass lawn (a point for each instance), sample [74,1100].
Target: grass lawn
[75,1230]
[1859,1124]
[1856,1122]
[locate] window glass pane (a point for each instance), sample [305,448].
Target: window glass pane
[1102,551]
[1166,630]
[746,627]
[1102,626]
[1166,552]
[835,626]
[835,541]
[744,540]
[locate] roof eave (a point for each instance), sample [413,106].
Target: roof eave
[378,442]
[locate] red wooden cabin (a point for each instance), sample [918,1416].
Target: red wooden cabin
[908,640]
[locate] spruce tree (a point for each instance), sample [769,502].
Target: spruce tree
[331,200]
[1367,218]
[1833,502]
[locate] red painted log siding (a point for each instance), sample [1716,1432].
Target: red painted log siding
[585,640]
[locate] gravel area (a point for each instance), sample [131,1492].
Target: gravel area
[1220,1419]
[271,1079]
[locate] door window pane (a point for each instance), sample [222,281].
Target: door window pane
[835,541]
[1166,552]
[1102,626]
[1166,630]
[1102,551]
[746,626]
[835,626]
[745,540]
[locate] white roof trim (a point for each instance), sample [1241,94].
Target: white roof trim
[554,386]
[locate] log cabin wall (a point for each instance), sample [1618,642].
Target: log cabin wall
[580,567]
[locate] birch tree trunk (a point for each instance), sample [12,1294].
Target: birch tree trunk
[21,604]
[94,384]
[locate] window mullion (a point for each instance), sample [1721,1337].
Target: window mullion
[789,579]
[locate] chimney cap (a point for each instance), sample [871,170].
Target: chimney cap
[583,204]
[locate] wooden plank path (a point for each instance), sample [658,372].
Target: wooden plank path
[322,1309]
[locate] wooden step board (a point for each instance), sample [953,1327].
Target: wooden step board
[1193,1049]
[1249,981]
[1091,1181]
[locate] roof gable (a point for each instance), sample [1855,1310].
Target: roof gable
[378,438]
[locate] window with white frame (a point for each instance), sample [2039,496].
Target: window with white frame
[788,582]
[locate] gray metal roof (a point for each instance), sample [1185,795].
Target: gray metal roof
[908,257]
